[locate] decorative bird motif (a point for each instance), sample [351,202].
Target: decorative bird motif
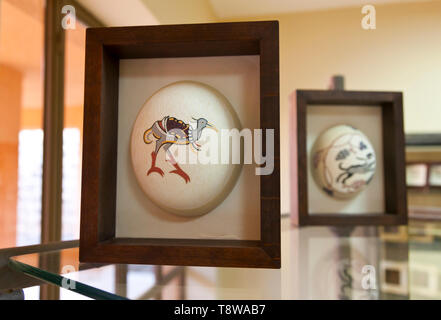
[169,131]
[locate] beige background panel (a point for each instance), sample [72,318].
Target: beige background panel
[238,217]
[394,57]
[368,120]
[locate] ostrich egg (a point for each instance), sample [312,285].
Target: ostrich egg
[343,161]
[176,148]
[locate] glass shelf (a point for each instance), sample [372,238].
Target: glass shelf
[317,263]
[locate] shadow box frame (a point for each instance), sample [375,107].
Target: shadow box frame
[104,49]
[391,104]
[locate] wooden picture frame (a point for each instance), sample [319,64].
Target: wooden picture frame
[391,104]
[104,49]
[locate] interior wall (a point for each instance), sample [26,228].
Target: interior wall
[178,11]
[114,13]
[10,102]
[401,54]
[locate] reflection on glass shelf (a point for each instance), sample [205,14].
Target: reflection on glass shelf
[317,263]
[32,293]
[425,260]
[70,295]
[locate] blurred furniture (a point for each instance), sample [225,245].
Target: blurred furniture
[424,201]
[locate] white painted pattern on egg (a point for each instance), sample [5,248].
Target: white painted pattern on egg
[343,161]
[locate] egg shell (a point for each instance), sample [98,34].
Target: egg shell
[209,183]
[343,161]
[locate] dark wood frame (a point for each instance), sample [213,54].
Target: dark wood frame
[104,48]
[393,156]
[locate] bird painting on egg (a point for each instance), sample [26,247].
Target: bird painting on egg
[343,161]
[172,121]
[172,131]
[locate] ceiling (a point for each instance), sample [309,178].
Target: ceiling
[120,13]
[225,9]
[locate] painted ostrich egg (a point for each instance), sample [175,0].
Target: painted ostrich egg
[343,161]
[175,148]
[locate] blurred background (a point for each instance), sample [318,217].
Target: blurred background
[42,92]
